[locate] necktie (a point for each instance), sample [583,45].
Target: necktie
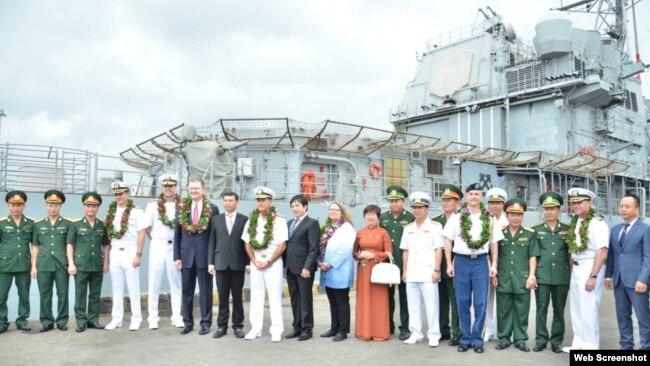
[292,229]
[621,240]
[195,214]
[229,223]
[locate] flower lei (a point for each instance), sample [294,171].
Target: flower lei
[162,210]
[466,225]
[204,219]
[571,235]
[268,229]
[124,221]
[326,232]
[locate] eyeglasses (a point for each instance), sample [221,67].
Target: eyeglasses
[335,209]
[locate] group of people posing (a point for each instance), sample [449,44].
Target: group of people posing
[472,268]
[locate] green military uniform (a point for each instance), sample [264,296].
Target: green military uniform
[88,242]
[395,228]
[513,299]
[15,262]
[553,275]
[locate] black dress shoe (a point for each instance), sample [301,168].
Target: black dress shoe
[221,331]
[445,337]
[95,325]
[46,328]
[186,329]
[3,329]
[501,345]
[539,347]
[404,335]
[454,342]
[204,330]
[522,347]
[479,349]
[557,348]
[239,333]
[329,333]
[392,330]
[62,327]
[81,328]
[304,336]
[24,327]
[339,337]
[463,348]
[293,334]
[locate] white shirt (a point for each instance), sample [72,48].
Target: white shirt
[136,223]
[452,232]
[421,244]
[152,220]
[280,235]
[502,221]
[597,235]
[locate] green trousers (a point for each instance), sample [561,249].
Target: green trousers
[512,317]
[23,280]
[447,296]
[403,307]
[545,294]
[46,281]
[88,289]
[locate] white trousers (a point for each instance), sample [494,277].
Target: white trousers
[270,279]
[122,269]
[585,306]
[491,313]
[161,259]
[416,293]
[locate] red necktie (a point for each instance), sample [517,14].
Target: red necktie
[195,214]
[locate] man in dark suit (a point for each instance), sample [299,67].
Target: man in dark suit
[191,254]
[628,272]
[228,260]
[302,248]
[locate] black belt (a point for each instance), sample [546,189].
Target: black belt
[471,256]
[575,263]
[169,241]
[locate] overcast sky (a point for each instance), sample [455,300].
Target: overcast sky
[105,75]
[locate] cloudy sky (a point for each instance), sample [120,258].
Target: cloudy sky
[105,75]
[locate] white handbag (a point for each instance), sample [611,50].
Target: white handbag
[386,273]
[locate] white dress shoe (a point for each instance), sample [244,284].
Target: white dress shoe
[134,326]
[276,337]
[433,343]
[252,335]
[153,325]
[568,349]
[413,339]
[113,325]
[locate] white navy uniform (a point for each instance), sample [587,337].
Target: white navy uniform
[161,259]
[123,251]
[421,244]
[270,279]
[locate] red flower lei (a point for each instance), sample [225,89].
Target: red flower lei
[124,221]
[162,210]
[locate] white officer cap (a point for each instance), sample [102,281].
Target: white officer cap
[119,187]
[580,194]
[419,198]
[264,192]
[497,195]
[168,180]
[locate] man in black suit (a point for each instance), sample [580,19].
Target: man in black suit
[302,248]
[227,258]
[191,254]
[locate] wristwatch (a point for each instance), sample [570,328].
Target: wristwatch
[139,254]
[591,275]
[437,270]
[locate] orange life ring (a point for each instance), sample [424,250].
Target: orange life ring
[375,170]
[308,184]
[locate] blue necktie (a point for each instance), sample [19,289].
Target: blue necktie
[292,229]
[621,240]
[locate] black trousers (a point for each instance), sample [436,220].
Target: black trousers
[189,277]
[230,282]
[302,301]
[339,299]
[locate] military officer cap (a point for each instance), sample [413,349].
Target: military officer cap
[451,191]
[168,180]
[515,205]
[396,192]
[551,199]
[16,197]
[496,195]
[119,187]
[419,198]
[264,192]
[54,196]
[580,194]
[473,187]
[91,198]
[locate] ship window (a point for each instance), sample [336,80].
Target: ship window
[633,100]
[434,167]
[396,172]
[627,99]
[437,191]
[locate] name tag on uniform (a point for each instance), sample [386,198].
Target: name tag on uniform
[9,229]
[61,228]
[562,232]
[523,239]
[404,222]
[100,231]
[83,230]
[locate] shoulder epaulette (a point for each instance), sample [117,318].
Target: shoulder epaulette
[435,223]
[3,219]
[30,218]
[435,217]
[598,217]
[153,200]
[528,229]
[76,220]
[278,215]
[563,223]
[37,221]
[66,218]
[540,224]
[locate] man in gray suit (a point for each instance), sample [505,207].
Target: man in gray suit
[628,272]
[228,260]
